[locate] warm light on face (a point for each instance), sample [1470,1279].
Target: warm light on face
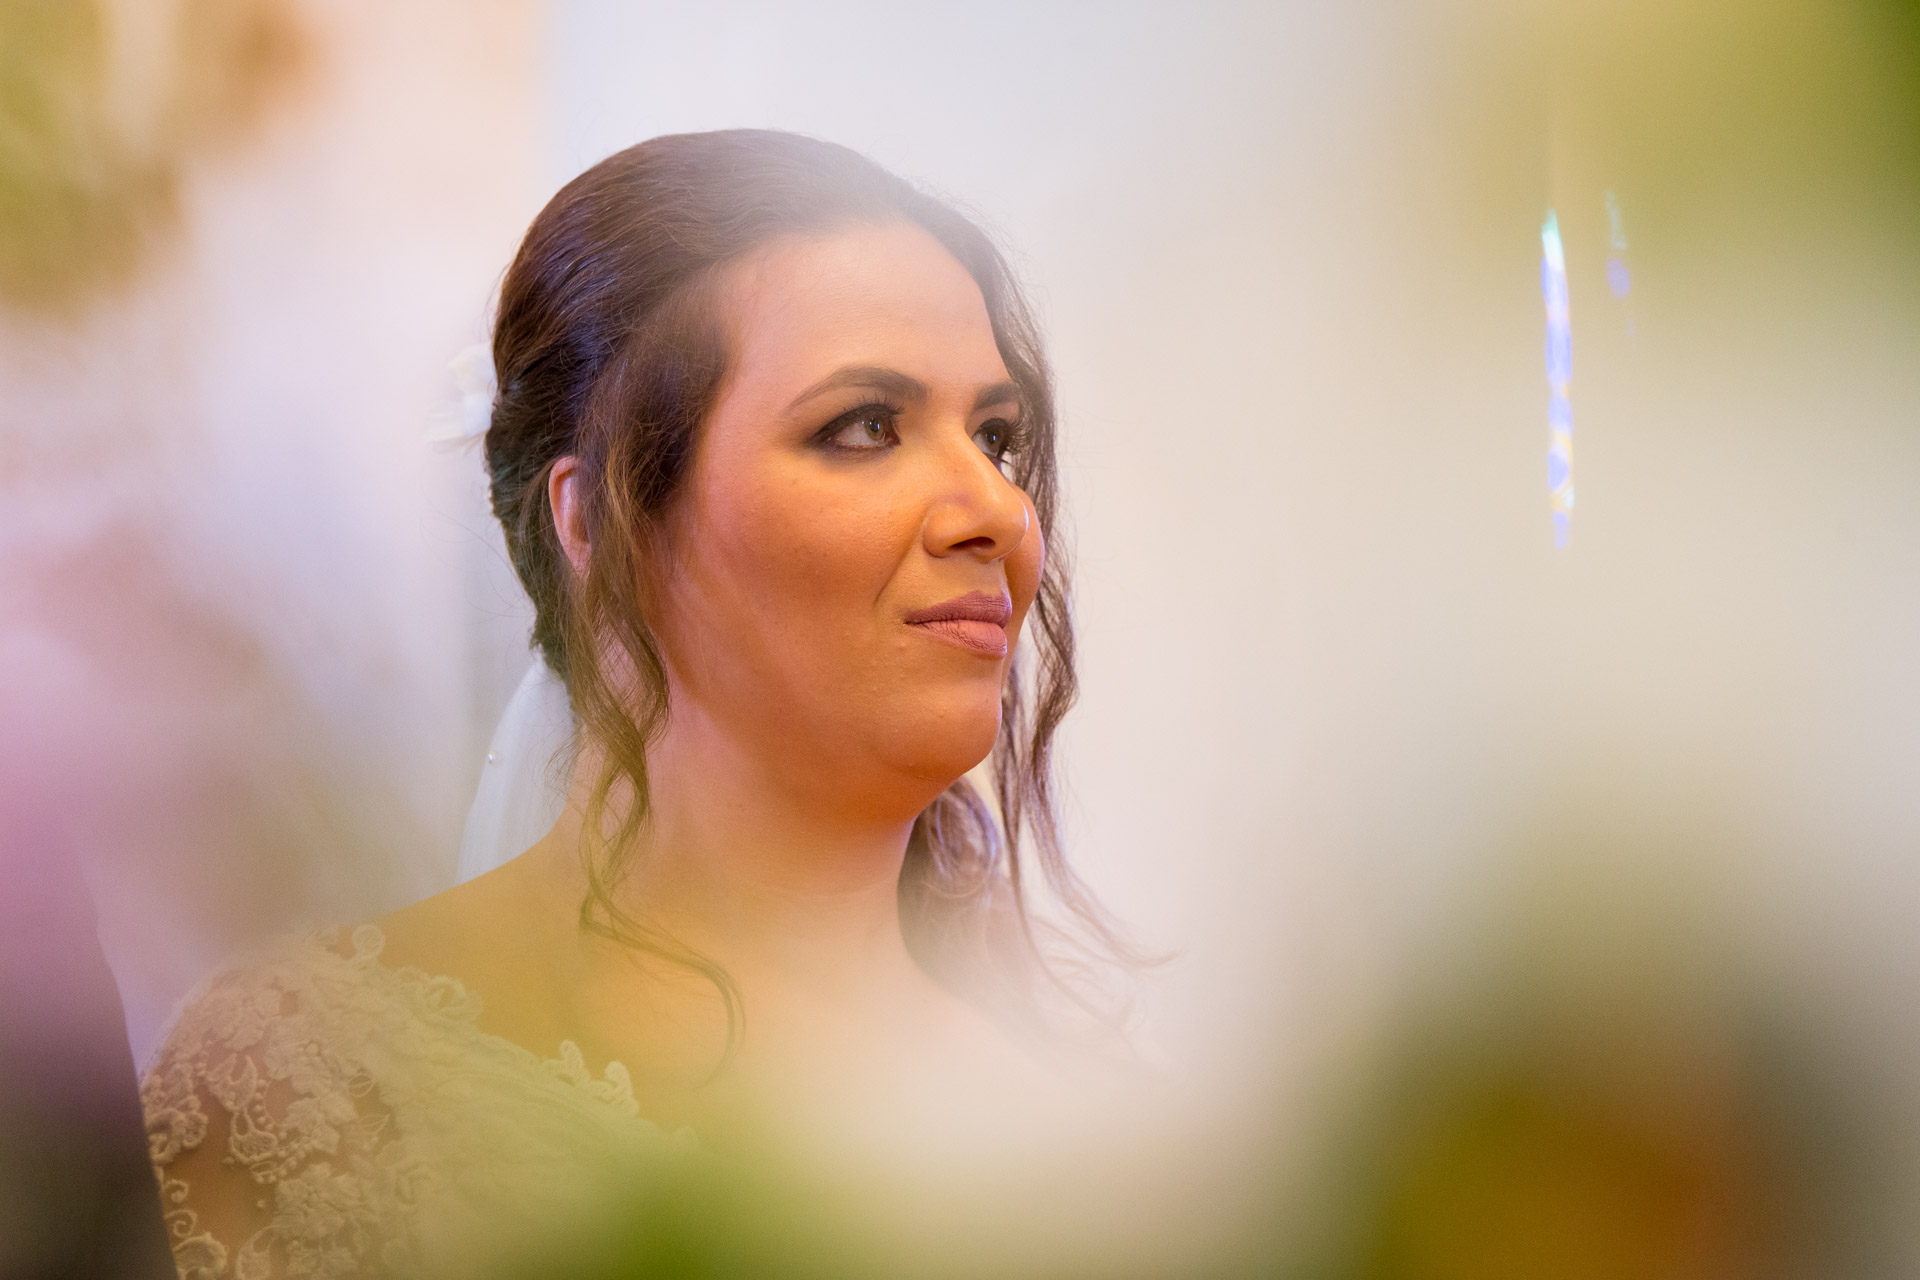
[852,563]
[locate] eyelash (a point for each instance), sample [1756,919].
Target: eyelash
[1013,438]
[1013,430]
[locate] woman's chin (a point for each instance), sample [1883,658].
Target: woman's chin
[939,752]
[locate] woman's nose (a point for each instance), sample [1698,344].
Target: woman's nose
[974,509]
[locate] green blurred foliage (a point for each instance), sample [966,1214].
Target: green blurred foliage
[700,1216]
[75,201]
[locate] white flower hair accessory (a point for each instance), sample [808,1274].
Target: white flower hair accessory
[474,378]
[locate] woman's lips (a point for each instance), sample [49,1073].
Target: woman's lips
[982,637]
[975,621]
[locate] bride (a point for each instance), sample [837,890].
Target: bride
[773,450]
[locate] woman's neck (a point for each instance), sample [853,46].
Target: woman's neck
[798,905]
[787,886]
[750,861]
[794,902]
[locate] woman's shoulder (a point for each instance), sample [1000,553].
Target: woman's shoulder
[318,988]
[262,1120]
[334,1013]
[296,1021]
[313,1101]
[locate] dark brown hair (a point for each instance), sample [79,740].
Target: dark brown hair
[608,348]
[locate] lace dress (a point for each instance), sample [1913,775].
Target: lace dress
[315,1113]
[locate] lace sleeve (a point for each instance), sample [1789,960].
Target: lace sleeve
[269,1140]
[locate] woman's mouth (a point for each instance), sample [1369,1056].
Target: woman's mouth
[975,621]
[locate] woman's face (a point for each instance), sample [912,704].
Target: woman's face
[851,564]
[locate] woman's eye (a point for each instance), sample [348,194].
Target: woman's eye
[995,439]
[868,427]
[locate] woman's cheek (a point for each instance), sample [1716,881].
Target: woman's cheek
[812,539]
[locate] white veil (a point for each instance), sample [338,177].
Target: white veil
[523,785]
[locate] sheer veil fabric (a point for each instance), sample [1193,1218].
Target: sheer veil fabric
[523,785]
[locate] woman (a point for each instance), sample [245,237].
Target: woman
[773,451]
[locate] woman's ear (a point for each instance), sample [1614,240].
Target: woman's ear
[563,497]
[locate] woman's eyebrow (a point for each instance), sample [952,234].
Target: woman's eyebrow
[878,377]
[999,393]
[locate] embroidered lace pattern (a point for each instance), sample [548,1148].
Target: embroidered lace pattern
[314,1113]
